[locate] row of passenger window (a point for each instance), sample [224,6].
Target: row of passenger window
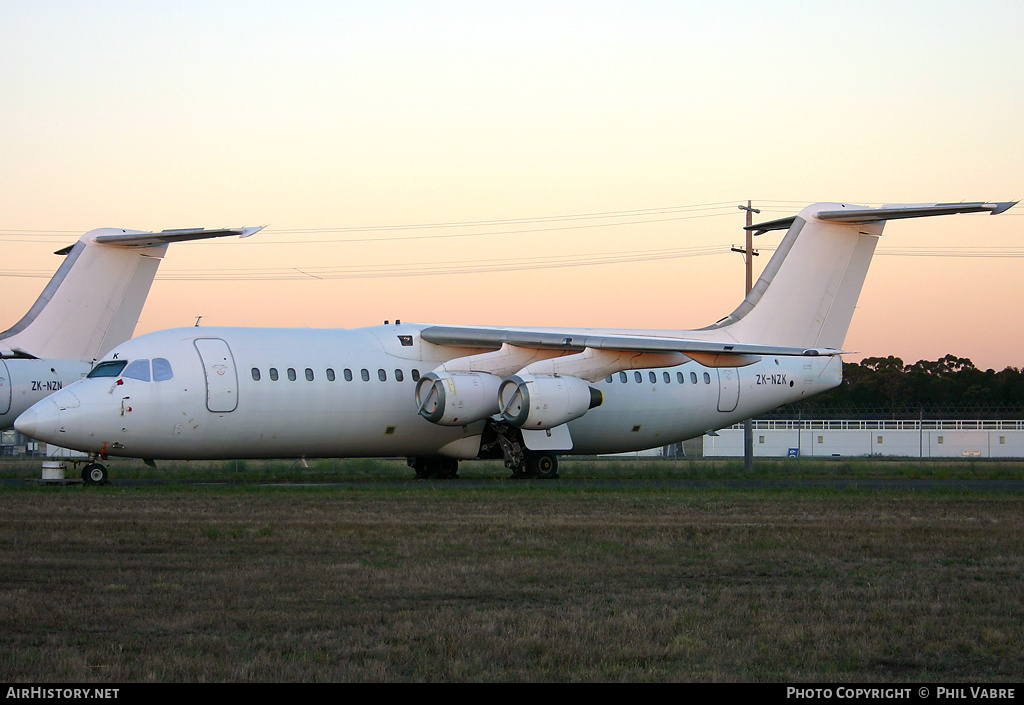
[310,375]
[653,377]
[399,375]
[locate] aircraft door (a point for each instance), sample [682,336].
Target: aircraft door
[5,389]
[221,376]
[728,388]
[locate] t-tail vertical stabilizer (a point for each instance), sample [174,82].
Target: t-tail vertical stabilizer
[94,300]
[807,293]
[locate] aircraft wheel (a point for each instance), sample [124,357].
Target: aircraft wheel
[420,467]
[94,474]
[543,466]
[447,469]
[435,468]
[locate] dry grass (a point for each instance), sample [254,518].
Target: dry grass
[519,583]
[362,469]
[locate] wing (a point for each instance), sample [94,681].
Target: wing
[709,353]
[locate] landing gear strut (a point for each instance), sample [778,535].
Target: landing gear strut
[508,440]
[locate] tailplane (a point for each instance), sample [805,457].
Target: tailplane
[94,300]
[808,291]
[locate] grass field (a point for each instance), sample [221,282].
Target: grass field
[327,470]
[510,581]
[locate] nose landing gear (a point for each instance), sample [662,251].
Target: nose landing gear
[94,474]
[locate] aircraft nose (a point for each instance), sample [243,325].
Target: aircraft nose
[39,421]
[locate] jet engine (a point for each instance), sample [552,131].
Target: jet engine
[457,398]
[538,402]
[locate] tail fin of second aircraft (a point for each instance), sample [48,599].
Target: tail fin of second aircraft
[94,300]
[807,293]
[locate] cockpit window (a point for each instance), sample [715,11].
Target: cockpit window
[137,369]
[161,370]
[111,368]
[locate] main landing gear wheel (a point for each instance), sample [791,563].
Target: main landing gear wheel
[543,466]
[435,468]
[94,474]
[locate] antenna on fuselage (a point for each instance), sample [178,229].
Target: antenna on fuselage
[198,318]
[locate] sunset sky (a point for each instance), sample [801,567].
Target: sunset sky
[458,151]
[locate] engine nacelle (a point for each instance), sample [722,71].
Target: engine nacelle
[538,402]
[457,398]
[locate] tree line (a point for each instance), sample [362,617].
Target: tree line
[949,386]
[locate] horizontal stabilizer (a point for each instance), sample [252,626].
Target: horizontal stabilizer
[858,214]
[136,239]
[874,215]
[778,224]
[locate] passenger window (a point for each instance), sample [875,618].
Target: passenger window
[137,369]
[653,377]
[382,375]
[255,374]
[623,378]
[309,375]
[707,378]
[667,377]
[107,369]
[291,374]
[348,375]
[415,375]
[365,374]
[638,377]
[399,376]
[680,378]
[330,375]
[273,374]
[162,370]
[693,377]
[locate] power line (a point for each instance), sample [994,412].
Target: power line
[372,271]
[645,215]
[519,231]
[662,210]
[770,206]
[576,221]
[450,267]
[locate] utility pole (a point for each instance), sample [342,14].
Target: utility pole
[748,252]
[748,258]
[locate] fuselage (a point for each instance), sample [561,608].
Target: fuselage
[24,381]
[206,393]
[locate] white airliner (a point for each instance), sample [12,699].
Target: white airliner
[90,305]
[437,393]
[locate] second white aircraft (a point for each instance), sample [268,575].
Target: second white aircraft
[91,304]
[438,394]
